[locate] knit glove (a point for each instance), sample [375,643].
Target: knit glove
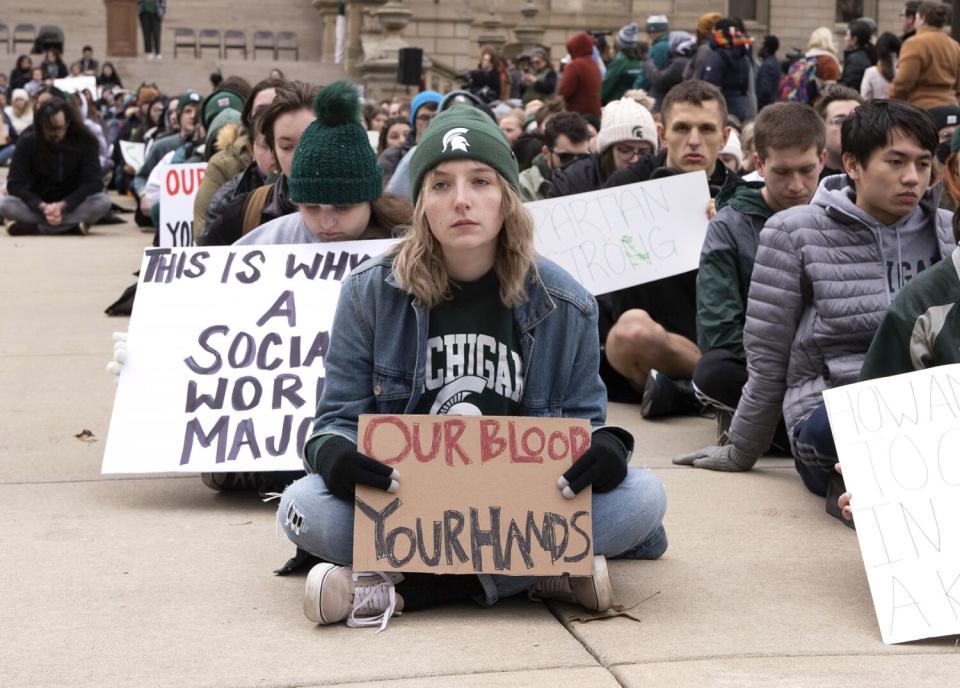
[342,468]
[115,364]
[603,465]
[726,458]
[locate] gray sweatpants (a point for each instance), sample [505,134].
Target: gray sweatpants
[92,209]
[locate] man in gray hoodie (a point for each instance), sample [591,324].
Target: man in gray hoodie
[824,276]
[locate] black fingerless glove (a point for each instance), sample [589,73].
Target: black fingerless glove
[342,467]
[603,465]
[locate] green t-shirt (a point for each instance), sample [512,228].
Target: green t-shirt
[474,365]
[150,6]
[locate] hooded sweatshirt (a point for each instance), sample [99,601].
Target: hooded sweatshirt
[821,285]
[581,81]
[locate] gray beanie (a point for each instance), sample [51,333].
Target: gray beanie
[627,36]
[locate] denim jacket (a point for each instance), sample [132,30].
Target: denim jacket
[376,362]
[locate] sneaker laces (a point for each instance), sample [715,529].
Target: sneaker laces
[381,598]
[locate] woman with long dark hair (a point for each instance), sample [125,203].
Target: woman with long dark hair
[876,80]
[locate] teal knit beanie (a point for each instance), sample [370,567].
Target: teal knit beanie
[334,163]
[188,98]
[463,133]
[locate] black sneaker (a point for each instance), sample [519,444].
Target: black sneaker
[663,396]
[22,229]
[254,481]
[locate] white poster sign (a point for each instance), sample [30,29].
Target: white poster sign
[178,190]
[225,356]
[77,84]
[133,153]
[898,439]
[627,235]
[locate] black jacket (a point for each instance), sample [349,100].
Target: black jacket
[577,176]
[768,82]
[855,63]
[69,173]
[227,228]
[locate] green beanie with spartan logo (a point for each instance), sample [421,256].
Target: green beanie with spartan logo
[462,133]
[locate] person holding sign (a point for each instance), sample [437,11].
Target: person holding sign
[825,275]
[790,141]
[921,330]
[649,331]
[465,276]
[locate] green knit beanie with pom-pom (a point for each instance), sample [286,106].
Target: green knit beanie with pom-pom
[334,163]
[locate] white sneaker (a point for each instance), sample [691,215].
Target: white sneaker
[150,56]
[158,56]
[594,592]
[334,593]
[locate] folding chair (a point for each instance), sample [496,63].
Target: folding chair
[24,33]
[287,40]
[210,38]
[264,40]
[236,40]
[184,38]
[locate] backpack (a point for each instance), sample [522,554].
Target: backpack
[800,82]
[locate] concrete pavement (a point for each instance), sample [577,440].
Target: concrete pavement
[161,582]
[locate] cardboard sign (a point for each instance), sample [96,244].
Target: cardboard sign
[477,495]
[77,84]
[178,189]
[225,356]
[627,235]
[133,153]
[898,439]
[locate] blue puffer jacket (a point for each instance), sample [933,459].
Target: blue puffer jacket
[817,295]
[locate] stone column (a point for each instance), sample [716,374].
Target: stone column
[529,34]
[380,52]
[327,10]
[490,31]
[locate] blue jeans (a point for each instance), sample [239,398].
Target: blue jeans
[814,450]
[627,524]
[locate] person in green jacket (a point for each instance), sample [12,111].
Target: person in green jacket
[790,140]
[658,29]
[920,330]
[625,71]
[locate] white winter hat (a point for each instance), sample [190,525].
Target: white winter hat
[626,120]
[733,147]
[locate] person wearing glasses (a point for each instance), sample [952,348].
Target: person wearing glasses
[541,82]
[627,134]
[422,110]
[566,139]
[54,185]
[834,106]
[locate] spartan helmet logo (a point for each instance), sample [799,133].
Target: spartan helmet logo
[638,133]
[454,139]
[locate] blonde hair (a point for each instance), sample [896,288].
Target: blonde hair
[418,261]
[822,39]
